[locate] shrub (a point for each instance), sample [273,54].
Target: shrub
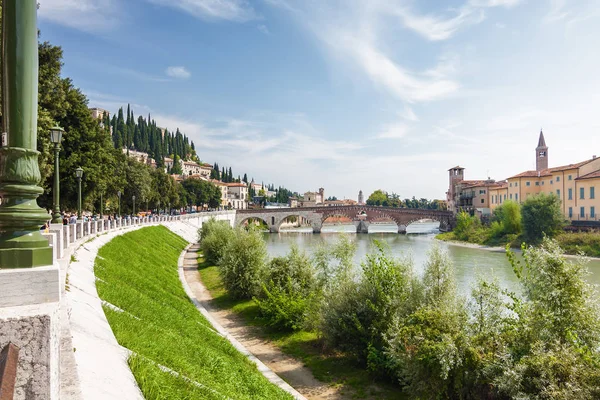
[427,347]
[243,263]
[214,238]
[542,216]
[290,287]
[356,313]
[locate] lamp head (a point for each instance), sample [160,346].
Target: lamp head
[56,133]
[79,172]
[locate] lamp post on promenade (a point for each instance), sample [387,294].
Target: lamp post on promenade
[21,243]
[133,214]
[79,175]
[56,137]
[119,196]
[101,207]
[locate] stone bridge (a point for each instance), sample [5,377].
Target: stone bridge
[361,216]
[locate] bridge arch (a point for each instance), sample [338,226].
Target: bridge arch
[315,223]
[252,217]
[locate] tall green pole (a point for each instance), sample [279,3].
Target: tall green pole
[79,197]
[21,243]
[101,207]
[56,218]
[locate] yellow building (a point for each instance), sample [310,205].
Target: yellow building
[575,185]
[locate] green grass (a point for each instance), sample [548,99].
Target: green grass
[138,273]
[333,368]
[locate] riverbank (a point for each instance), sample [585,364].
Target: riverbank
[572,243]
[343,378]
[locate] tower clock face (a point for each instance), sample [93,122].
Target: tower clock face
[542,154]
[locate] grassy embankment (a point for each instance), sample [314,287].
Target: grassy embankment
[138,274]
[306,346]
[587,243]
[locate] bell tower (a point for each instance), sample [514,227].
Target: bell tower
[541,154]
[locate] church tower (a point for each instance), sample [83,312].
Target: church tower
[361,198]
[541,154]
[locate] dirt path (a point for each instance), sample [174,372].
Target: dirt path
[288,368]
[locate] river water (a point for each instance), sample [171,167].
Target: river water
[468,262]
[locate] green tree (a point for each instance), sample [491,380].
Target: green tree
[542,215]
[377,198]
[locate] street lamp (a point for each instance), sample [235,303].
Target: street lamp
[134,205]
[56,137]
[119,195]
[79,175]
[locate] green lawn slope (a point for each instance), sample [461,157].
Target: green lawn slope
[177,353]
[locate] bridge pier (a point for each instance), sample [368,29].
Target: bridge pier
[316,229]
[362,226]
[402,229]
[274,229]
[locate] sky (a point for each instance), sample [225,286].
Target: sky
[347,95]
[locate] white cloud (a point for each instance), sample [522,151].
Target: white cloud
[396,130]
[85,15]
[263,29]
[231,10]
[178,72]
[409,115]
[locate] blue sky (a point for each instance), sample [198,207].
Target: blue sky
[347,94]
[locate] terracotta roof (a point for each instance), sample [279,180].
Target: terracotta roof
[549,171]
[531,174]
[206,165]
[217,182]
[236,184]
[457,167]
[591,175]
[570,166]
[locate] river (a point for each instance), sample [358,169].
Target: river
[468,262]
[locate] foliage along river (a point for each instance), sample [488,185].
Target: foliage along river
[468,262]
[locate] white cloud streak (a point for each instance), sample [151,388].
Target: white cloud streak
[178,72]
[230,10]
[92,16]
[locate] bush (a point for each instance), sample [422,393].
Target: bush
[427,347]
[290,287]
[243,263]
[542,216]
[469,229]
[506,219]
[356,313]
[214,238]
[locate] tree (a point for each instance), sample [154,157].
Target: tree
[377,198]
[542,215]
[202,192]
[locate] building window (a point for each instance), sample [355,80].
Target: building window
[482,192]
[582,212]
[570,178]
[582,193]
[482,201]
[593,212]
[516,184]
[517,196]
[558,179]
[570,212]
[511,196]
[592,193]
[527,183]
[542,182]
[551,182]
[510,184]
[558,192]
[537,184]
[570,194]
[504,197]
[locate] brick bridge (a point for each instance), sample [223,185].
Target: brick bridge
[361,216]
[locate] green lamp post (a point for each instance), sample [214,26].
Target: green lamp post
[21,243]
[101,207]
[133,206]
[56,134]
[79,175]
[119,196]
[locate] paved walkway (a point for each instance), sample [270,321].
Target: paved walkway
[288,368]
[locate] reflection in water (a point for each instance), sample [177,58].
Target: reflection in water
[468,262]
